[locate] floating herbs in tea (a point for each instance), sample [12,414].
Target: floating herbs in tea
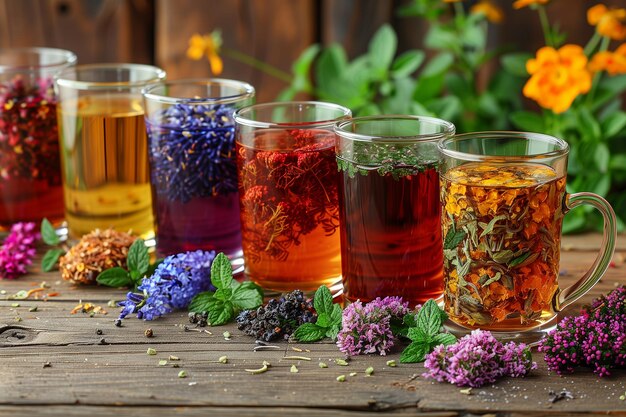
[194,179]
[502,227]
[289,208]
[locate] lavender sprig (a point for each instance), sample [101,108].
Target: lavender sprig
[18,250]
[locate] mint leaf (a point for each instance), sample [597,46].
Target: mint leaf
[429,318]
[220,312]
[48,233]
[416,334]
[221,271]
[332,332]
[115,277]
[443,339]
[323,301]
[223,294]
[415,352]
[200,302]
[323,320]
[453,238]
[50,259]
[138,259]
[309,332]
[247,296]
[336,315]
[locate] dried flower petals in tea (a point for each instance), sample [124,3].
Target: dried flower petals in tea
[502,227]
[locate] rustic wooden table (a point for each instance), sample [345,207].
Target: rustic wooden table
[56,363]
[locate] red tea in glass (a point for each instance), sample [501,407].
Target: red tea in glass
[390,211]
[288,184]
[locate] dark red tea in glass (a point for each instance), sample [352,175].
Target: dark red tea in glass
[390,213]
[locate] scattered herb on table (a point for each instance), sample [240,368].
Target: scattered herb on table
[328,321]
[173,285]
[18,250]
[478,359]
[426,333]
[229,296]
[596,338]
[370,328]
[278,318]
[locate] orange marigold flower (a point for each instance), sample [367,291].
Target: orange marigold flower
[208,45]
[611,62]
[608,22]
[525,3]
[491,11]
[557,77]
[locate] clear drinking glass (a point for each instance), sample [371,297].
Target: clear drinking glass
[391,241]
[191,142]
[104,150]
[504,198]
[288,188]
[30,168]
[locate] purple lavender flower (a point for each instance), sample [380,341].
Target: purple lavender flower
[172,286]
[18,250]
[367,329]
[478,359]
[596,338]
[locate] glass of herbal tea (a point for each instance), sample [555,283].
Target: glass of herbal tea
[104,149]
[191,144]
[288,184]
[30,168]
[504,198]
[391,242]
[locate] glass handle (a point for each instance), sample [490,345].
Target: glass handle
[567,296]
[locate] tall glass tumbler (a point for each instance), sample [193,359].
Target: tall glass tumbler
[104,149]
[390,212]
[191,142]
[30,168]
[288,185]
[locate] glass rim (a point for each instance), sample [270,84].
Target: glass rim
[448,129]
[66,58]
[503,134]
[247,91]
[159,75]
[239,119]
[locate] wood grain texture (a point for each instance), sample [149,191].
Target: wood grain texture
[102,374]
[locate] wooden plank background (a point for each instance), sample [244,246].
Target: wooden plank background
[273,31]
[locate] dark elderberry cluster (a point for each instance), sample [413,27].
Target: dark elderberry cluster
[278,318]
[199,319]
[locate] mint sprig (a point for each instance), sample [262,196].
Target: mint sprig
[138,264]
[50,238]
[229,297]
[425,333]
[328,321]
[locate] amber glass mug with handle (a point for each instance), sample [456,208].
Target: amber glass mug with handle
[503,201]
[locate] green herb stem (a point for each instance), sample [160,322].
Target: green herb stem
[545,26]
[257,64]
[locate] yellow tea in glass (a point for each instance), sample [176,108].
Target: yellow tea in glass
[503,201]
[104,150]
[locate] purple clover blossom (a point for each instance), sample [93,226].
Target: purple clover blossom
[172,286]
[18,250]
[596,338]
[367,329]
[478,359]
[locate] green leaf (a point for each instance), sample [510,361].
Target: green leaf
[223,294]
[332,332]
[247,296]
[138,259]
[323,320]
[415,352]
[407,63]
[48,233]
[302,65]
[417,334]
[515,63]
[323,301]
[453,238]
[336,315]
[200,302]
[489,228]
[309,332]
[220,312]
[429,318]
[447,108]
[613,124]
[530,122]
[115,277]
[221,271]
[602,157]
[589,126]
[442,37]
[445,339]
[519,259]
[382,48]
[440,63]
[50,259]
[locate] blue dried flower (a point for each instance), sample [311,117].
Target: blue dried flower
[172,286]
